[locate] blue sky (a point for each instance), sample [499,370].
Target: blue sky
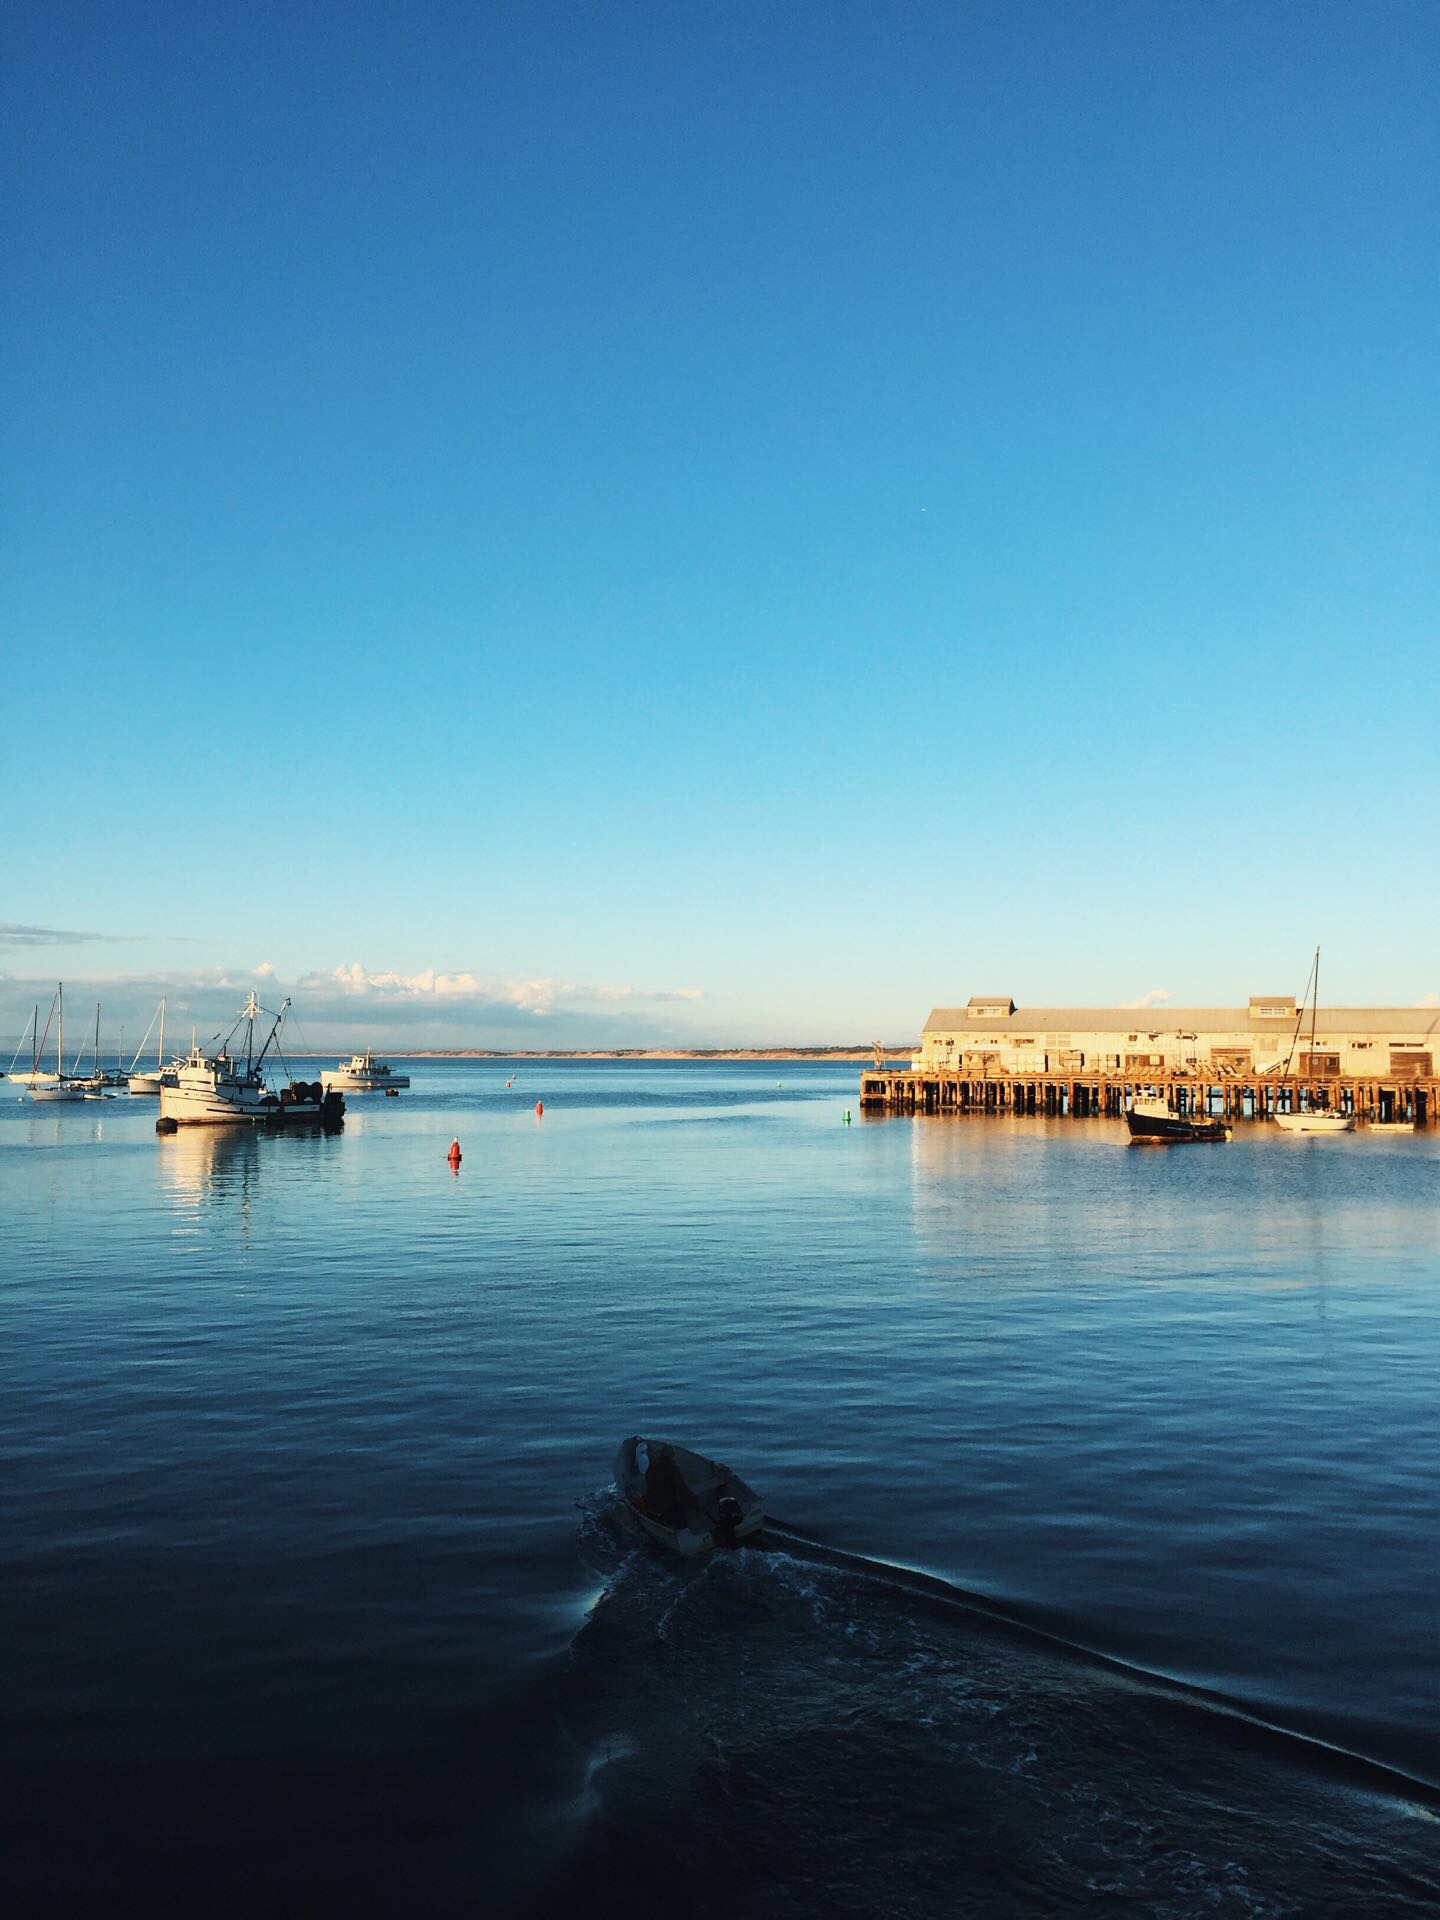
[719,524]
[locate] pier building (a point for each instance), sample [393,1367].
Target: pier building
[1377,1062]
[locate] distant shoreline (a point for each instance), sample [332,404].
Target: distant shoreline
[640,1053]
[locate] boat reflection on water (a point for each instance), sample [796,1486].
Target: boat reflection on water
[216,1162]
[197,1161]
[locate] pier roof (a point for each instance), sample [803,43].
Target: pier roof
[1415,1021]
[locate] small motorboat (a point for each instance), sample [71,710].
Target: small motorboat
[725,1511]
[1151,1121]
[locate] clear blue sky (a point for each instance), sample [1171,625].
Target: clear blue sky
[827,508]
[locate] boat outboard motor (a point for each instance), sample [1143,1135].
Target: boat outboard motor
[729,1513]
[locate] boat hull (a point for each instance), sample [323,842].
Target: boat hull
[1315,1122]
[1161,1130]
[727,1512]
[366,1083]
[149,1083]
[58,1093]
[248,1106]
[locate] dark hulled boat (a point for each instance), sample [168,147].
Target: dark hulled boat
[1152,1121]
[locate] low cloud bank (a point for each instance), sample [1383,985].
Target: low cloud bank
[349,1005]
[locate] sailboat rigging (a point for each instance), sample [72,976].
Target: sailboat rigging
[152,1082]
[1311,1119]
[56,1087]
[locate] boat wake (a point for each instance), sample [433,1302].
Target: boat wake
[786,1729]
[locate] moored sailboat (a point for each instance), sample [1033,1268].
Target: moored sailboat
[56,1086]
[152,1082]
[1311,1119]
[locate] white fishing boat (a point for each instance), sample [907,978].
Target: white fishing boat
[151,1083]
[222,1089]
[57,1086]
[685,1503]
[1312,1119]
[363,1073]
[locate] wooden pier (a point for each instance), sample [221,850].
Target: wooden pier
[1080,1096]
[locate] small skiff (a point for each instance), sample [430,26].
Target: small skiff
[726,1510]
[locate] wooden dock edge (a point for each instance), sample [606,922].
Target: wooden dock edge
[1108,1096]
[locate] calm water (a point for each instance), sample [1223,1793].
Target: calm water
[311,1597]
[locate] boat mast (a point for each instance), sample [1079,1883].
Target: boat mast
[275,1029]
[249,1035]
[60,1031]
[160,1049]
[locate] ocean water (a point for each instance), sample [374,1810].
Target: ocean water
[1107,1485]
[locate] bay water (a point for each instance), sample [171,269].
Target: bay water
[1107,1480]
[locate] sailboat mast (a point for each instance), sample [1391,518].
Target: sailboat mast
[60,1030]
[1314,1011]
[160,1050]
[35,1042]
[97,1039]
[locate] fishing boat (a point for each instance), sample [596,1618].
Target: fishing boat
[1311,1119]
[150,1083]
[1150,1120]
[222,1089]
[722,1510]
[57,1086]
[363,1073]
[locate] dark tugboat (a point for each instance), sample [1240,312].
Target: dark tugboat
[1151,1122]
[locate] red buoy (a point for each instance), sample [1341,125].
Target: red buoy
[454,1154]
[539,1106]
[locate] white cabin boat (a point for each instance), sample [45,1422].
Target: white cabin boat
[221,1089]
[363,1073]
[1315,1120]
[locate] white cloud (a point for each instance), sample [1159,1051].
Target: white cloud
[264,970]
[1150,999]
[536,997]
[1428,1000]
[359,980]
